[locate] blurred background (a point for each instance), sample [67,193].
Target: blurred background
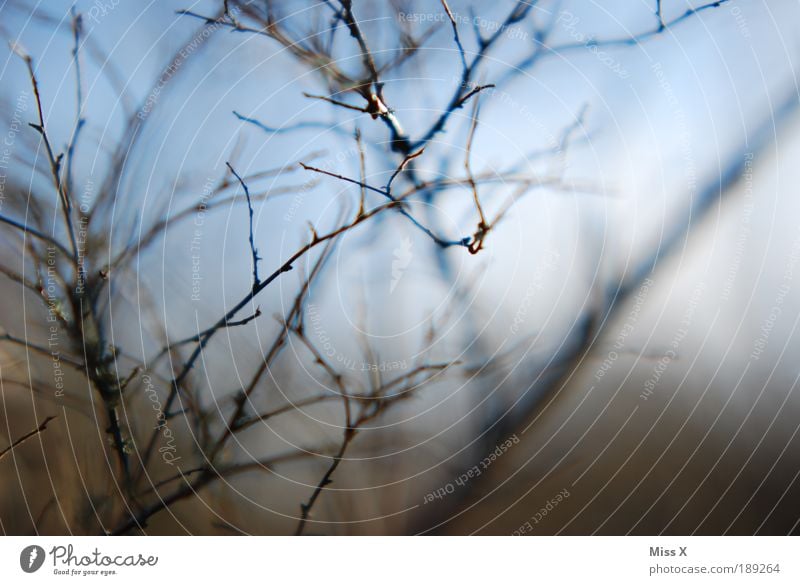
[619,351]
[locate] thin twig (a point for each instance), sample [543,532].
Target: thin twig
[77,29]
[543,49]
[461,95]
[336,102]
[456,37]
[55,161]
[282,129]
[444,243]
[206,476]
[483,228]
[283,268]
[37,234]
[355,31]
[253,249]
[235,421]
[26,436]
[199,336]
[305,508]
[362,172]
[401,167]
[369,411]
[41,350]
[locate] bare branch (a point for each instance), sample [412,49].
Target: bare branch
[191,488]
[401,167]
[456,37]
[282,129]
[661,25]
[26,436]
[336,102]
[40,350]
[355,31]
[444,243]
[369,411]
[37,234]
[77,29]
[55,161]
[462,94]
[235,421]
[253,249]
[199,336]
[543,49]
[362,171]
[483,228]
[285,267]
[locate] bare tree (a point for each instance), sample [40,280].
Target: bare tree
[76,269]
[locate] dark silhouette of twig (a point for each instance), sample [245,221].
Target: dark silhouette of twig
[368,411]
[463,93]
[456,36]
[336,102]
[160,227]
[253,250]
[561,368]
[191,488]
[661,25]
[40,350]
[77,29]
[345,86]
[362,172]
[444,243]
[287,265]
[137,121]
[236,421]
[543,49]
[16,443]
[84,328]
[483,228]
[199,336]
[401,167]
[282,129]
[53,159]
[37,234]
